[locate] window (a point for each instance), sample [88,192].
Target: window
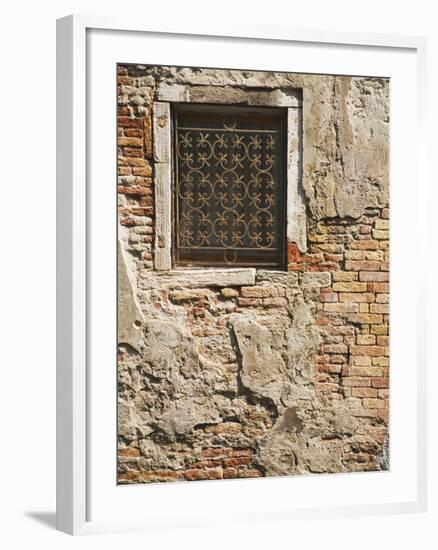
[229,186]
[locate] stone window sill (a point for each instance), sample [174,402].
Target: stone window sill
[200,278]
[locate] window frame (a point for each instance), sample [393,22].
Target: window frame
[168,98]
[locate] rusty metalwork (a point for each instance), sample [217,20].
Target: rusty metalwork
[229,187]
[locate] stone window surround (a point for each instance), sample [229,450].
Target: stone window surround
[296,221]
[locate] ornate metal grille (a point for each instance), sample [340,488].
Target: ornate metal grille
[230,187]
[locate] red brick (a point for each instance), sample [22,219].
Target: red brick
[209,473]
[257,292]
[374,276]
[293,253]
[365,244]
[349,286]
[380,382]
[364,265]
[127,122]
[369,351]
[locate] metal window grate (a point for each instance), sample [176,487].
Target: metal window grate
[230,186]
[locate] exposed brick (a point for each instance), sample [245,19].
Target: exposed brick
[344,276]
[364,245]
[349,287]
[379,308]
[380,361]
[366,339]
[380,383]
[381,224]
[365,318]
[349,308]
[360,360]
[365,265]
[373,403]
[341,308]
[374,276]
[356,297]
[130,141]
[364,392]
[379,329]
[328,296]
[209,473]
[249,302]
[380,235]
[335,348]
[356,381]
[369,351]
[256,292]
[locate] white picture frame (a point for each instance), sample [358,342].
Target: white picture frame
[77,211]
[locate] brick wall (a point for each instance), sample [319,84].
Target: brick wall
[338,419]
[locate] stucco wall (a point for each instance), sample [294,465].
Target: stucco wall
[269,372]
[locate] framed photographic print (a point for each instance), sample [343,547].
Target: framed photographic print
[239,294]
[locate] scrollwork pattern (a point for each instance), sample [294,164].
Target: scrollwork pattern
[227,192]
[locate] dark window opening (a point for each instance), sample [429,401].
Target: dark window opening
[230,186]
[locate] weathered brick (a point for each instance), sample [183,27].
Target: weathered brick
[379,287]
[364,245]
[379,308]
[365,318]
[365,371]
[344,276]
[380,361]
[341,308]
[128,452]
[356,297]
[373,403]
[328,296]
[248,302]
[380,382]
[257,292]
[374,276]
[364,392]
[381,224]
[380,235]
[366,339]
[369,351]
[130,141]
[365,265]
[209,473]
[356,381]
[275,301]
[360,360]
[335,348]
[379,329]
[349,287]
